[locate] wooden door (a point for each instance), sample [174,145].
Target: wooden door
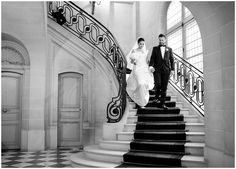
[70,109]
[11,110]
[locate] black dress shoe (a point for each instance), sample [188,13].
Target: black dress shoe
[156,100]
[164,107]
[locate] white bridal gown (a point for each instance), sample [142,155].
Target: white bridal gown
[140,80]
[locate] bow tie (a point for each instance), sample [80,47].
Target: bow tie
[162,45]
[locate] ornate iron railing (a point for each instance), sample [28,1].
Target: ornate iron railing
[91,31]
[189,81]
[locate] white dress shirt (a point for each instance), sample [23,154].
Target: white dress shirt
[163,48]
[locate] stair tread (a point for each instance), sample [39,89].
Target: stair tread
[115,141]
[187,133]
[157,123]
[167,123]
[160,115]
[186,144]
[164,115]
[167,101]
[193,158]
[169,156]
[195,133]
[182,109]
[98,150]
[139,165]
[155,155]
[159,101]
[155,95]
[148,140]
[194,144]
[79,158]
[158,152]
[195,124]
[161,132]
[158,142]
[157,108]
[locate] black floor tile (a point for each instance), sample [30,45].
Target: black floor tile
[51,158]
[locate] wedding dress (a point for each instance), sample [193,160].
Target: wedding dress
[141,79]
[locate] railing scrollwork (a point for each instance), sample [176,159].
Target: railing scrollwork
[189,81]
[91,31]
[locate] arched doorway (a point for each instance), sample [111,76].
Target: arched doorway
[15,72]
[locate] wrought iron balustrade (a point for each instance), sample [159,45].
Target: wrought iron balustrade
[189,81]
[91,31]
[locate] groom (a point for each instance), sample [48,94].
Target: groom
[161,65]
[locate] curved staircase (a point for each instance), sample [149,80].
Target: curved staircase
[151,137]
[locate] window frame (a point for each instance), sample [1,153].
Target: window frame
[182,25]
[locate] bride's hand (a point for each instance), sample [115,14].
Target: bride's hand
[133,61]
[152,69]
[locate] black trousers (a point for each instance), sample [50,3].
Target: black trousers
[161,78]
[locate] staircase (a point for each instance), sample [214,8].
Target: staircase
[151,137]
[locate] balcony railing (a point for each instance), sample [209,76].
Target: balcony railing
[91,31]
[189,81]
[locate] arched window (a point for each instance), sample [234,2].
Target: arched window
[183,34]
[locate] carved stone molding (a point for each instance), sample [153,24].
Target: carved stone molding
[14,54]
[11,56]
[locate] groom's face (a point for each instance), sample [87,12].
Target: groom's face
[162,40]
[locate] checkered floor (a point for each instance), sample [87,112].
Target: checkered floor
[48,158]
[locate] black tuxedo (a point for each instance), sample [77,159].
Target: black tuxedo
[162,70]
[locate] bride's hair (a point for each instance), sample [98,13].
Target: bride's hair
[140,39]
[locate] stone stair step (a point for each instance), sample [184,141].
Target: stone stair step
[193,136]
[168,97]
[174,98]
[195,148]
[133,112]
[138,165]
[158,104]
[98,154]
[115,145]
[193,161]
[186,161]
[187,118]
[155,110]
[188,126]
[191,148]
[158,118]
[167,103]
[79,160]
[153,158]
[195,127]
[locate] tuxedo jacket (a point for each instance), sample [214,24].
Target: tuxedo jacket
[157,62]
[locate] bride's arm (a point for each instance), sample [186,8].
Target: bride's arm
[132,57]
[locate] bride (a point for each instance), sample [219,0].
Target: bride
[141,79]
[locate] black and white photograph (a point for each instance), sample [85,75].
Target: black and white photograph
[118,84]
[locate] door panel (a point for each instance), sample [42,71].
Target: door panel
[70,107]
[11,110]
